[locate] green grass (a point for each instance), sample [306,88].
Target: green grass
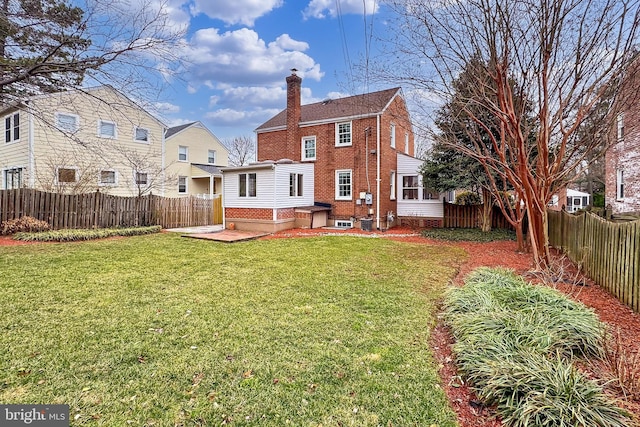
[469,234]
[162,330]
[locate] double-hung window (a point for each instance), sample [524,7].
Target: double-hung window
[211,157]
[410,187]
[247,185]
[309,148]
[13,178]
[392,131]
[182,184]
[12,128]
[620,185]
[343,134]
[141,178]
[183,153]
[620,126]
[344,184]
[295,185]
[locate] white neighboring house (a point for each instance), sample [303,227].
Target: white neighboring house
[265,196]
[416,202]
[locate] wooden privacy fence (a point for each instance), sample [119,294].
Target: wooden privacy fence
[609,253]
[468,216]
[99,210]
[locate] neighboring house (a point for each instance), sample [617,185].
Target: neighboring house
[194,156]
[622,174]
[269,196]
[353,143]
[570,200]
[81,141]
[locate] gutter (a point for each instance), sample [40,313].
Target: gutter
[378,172]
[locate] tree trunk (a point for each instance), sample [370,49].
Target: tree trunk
[487,210]
[538,236]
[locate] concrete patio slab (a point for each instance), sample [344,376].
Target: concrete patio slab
[227,236]
[198,230]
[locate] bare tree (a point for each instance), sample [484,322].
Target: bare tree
[51,45]
[563,55]
[242,150]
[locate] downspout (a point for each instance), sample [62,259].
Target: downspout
[32,157]
[378,172]
[275,193]
[224,219]
[163,173]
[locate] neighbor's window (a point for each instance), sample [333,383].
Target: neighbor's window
[107,177]
[66,175]
[406,143]
[183,153]
[392,132]
[620,185]
[12,127]
[106,129]
[410,187]
[620,125]
[343,185]
[247,185]
[343,133]
[67,122]
[142,178]
[182,184]
[13,178]
[211,157]
[295,184]
[393,185]
[309,148]
[141,135]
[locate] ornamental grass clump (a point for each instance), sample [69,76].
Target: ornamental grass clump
[515,343]
[71,235]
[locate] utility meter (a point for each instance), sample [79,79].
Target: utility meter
[368,198]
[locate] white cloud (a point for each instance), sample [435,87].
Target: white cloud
[242,57]
[236,11]
[321,8]
[166,108]
[229,117]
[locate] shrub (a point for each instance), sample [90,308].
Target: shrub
[70,235]
[23,224]
[515,343]
[469,234]
[468,198]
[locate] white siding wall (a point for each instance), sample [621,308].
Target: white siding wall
[283,200]
[420,208]
[265,189]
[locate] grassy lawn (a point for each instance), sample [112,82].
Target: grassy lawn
[160,330]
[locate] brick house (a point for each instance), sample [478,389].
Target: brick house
[353,143]
[622,159]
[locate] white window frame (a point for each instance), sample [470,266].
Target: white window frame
[406,143]
[392,133]
[15,170]
[392,192]
[338,134]
[141,141]
[296,184]
[108,184]
[180,153]
[247,187]
[620,126]
[115,129]
[620,185]
[135,178]
[413,189]
[337,184]
[211,154]
[76,124]
[73,168]
[11,130]
[343,223]
[306,139]
[186,185]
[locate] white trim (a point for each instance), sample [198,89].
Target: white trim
[620,185]
[32,158]
[186,184]
[304,158]
[108,184]
[337,128]
[209,151]
[341,223]
[12,128]
[337,184]
[392,135]
[141,141]
[62,128]
[115,129]
[406,143]
[186,153]
[620,126]
[392,179]
[135,178]
[3,171]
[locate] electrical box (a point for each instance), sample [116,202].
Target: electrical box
[368,198]
[358,202]
[363,194]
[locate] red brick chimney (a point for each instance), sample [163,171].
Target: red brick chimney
[293,115]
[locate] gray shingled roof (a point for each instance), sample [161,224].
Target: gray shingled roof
[368,103]
[172,131]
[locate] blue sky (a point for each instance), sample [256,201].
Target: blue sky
[239,53]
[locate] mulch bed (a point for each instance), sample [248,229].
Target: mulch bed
[469,410]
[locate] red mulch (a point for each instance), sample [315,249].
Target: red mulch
[496,254]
